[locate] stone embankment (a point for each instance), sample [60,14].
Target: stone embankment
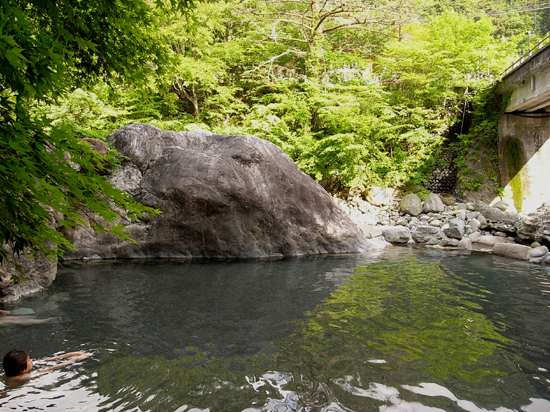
[442,222]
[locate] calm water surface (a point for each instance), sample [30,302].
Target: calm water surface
[409,330]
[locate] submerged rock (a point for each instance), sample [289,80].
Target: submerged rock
[221,196]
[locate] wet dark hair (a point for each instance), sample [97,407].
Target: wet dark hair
[15,362]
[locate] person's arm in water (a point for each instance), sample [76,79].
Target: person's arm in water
[79,355]
[73,357]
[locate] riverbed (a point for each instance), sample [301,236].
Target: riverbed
[408,329]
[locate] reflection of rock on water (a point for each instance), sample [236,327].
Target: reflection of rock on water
[339,275]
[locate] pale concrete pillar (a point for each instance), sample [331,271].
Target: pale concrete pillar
[530,187]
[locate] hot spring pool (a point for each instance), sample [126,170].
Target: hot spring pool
[408,330]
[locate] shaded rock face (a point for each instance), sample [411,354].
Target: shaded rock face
[38,274]
[221,196]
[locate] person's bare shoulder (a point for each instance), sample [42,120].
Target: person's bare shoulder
[14,381]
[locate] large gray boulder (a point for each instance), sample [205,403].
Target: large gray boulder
[221,197]
[34,276]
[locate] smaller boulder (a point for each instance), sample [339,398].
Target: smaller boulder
[501,205]
[411,205]
[97,145]
[512,251]
[423,234]
[450,242]
[369,231]
[539,251]
[433,203]
[455,229]
[465,243]
[396,234]
[474,224]
[482,221]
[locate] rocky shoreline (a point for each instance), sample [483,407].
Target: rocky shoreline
[442,222]
[227,196]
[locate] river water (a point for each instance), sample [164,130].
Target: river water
[408,330]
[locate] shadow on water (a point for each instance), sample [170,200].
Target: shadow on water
[412,330]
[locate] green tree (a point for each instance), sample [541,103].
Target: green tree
[450,53]
[46,48]
[307,28]
[205,55]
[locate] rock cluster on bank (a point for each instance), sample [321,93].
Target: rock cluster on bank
[440,221]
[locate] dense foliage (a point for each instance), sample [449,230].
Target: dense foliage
[46,49]
[357,93]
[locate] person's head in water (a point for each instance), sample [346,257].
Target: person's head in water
[17,362]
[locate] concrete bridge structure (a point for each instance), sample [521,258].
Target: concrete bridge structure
[524,130]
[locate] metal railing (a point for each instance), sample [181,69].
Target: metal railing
[527,55]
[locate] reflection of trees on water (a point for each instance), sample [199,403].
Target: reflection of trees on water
[377,341]
[422,321]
